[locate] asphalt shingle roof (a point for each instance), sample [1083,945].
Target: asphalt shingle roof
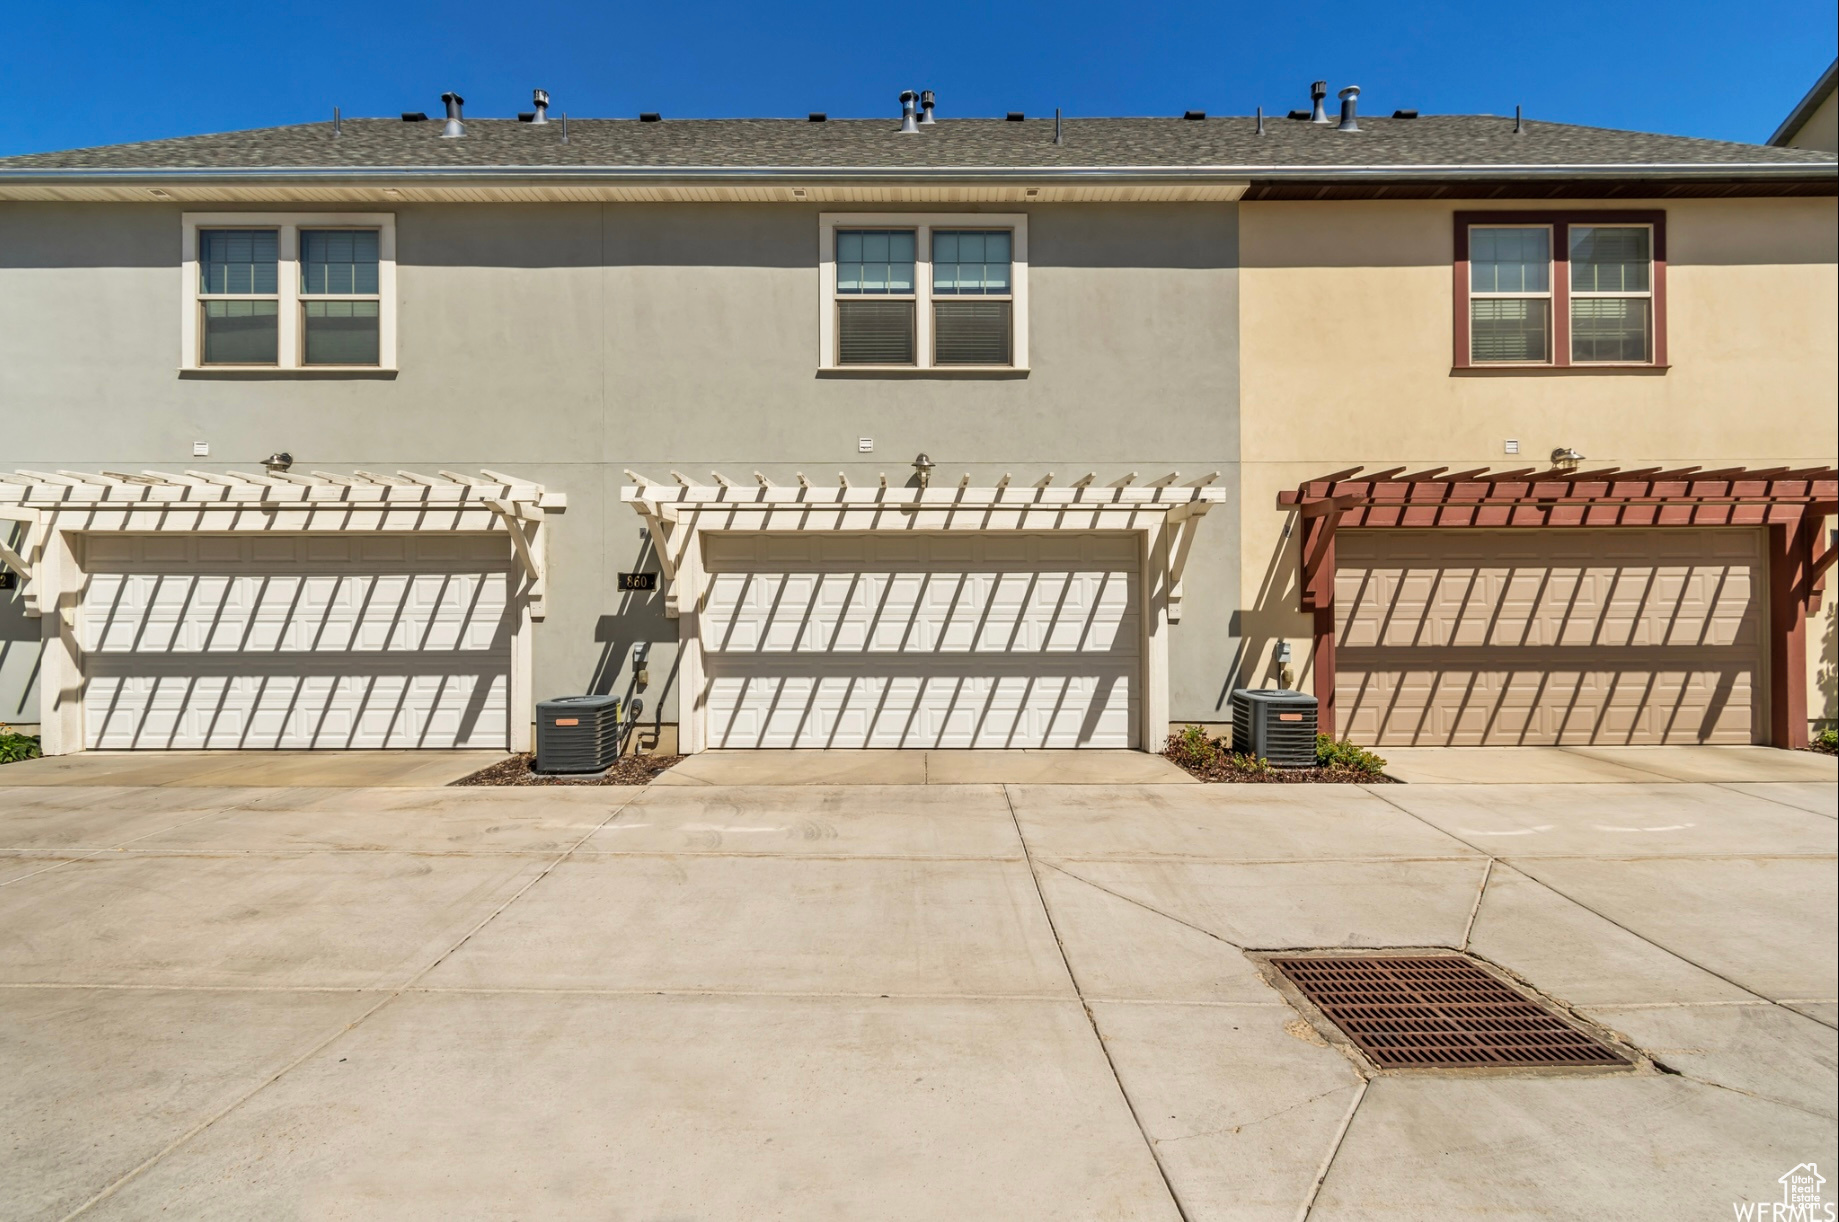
[1476,141]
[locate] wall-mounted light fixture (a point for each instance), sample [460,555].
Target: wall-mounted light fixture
[1566,459]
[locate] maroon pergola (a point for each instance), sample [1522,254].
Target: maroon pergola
[1790,503]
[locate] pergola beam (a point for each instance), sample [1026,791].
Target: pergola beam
[14,561]
[76,501]
[674,516]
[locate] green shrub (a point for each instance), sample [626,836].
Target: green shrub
[1252,765]
[15,746]
[1192,748]
[1345,755]
[1827,740]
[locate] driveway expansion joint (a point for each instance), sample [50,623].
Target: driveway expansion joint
[1514,863]
[1334,1149]
[1140,904]
[1091,1018]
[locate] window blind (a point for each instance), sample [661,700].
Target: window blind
[1510,260]
[875,260]
[1611,329]
[970,262]
[338,261]
[238,261]
[241,332]
[874,333]
[1611,259]
[971,333]
[341,332]
[1509,329]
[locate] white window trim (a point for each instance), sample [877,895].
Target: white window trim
[1549,296]
[289,225]
[923,224]
[1648,296]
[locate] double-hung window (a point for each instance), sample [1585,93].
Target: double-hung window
[945,291]
[239,296]
[1612,294]
[972,309]
[340,305]
[1510,293]
[875,296]
[289,292]
[1560,290]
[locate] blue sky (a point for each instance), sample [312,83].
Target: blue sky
[79,72]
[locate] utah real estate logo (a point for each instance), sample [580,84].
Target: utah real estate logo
[1801,1200]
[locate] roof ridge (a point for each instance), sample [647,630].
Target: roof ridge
[1478,144]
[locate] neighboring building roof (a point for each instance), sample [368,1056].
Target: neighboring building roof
[1805,108]
[1435,148]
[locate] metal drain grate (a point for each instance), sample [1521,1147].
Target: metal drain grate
[1439,1011]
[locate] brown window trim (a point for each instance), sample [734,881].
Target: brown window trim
[1561,223]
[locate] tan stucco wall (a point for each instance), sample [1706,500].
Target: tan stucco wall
[1821,131]
[1345,348]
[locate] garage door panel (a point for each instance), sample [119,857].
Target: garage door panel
[919,613]
[180,613]
[921,641]
[292,642]
[928,711]
[1467,606]
[297,711]
[1558,637]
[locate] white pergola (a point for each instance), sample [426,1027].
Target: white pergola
[54,506]
[1164,513]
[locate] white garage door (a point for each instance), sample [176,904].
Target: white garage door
[998,640]
[296,641]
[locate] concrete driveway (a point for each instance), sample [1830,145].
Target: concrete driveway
[944,1001]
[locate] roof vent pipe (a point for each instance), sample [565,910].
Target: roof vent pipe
[1519,123]
[1350,97]
[926,102]
[453,127]
[908,123]
[1317,91]
[541,98]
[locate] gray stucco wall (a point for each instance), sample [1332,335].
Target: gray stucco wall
[567,342]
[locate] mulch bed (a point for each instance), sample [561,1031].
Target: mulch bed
[630,770]
[1226,770]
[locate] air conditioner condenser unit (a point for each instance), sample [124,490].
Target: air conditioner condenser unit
[577,734]
[1278,726]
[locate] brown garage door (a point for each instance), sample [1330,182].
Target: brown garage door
[1573,636]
